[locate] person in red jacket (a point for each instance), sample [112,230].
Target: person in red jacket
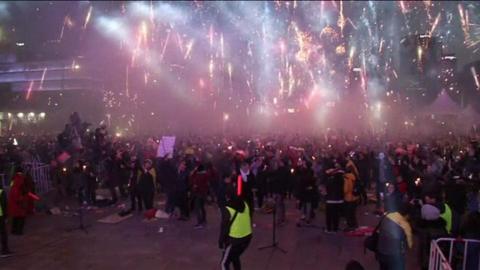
[18,202]
[199,182]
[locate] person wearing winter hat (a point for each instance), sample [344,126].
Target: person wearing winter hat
[431,226]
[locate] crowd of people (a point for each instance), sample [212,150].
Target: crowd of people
[424,188]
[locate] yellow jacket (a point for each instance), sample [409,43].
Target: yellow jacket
[402,222]
[348,185]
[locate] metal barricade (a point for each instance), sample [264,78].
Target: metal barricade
[41,176]
[458,251]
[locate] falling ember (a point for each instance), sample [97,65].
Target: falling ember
[475,77]
[87,18]
[29,91]
[43,78]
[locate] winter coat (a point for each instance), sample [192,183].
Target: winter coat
[199,182]
[18,197]
[394,235]
[348,187]
[334,186]
[146,182]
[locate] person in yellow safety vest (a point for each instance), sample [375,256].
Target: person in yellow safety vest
[235,230]
[447,216]
[3,227]
[445,211]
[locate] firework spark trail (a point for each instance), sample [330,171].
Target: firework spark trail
[475,77]
[341,19]
[188,52]
[282,86]
[222,51]
[165,46]
[180,43]
[427,4]
[210,36]
[435,23]
[87,17]
[380,48]
[127,88]
[62,31]
[42,79]
[464,23]
[144,32]
[291,81]
[151,14]
[29,91]
[402,7]
[230,70]
[350,57]
[211,67]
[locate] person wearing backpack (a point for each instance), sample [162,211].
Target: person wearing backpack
[351,196]
[235,230]
[394,238]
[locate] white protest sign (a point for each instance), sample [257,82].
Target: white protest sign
[166,146]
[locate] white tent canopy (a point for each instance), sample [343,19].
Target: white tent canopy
[443,105]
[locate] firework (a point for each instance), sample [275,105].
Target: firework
[87,17]
[42,79]
[435,23]
[188,52]
[211,67]
[475,77]
[341,18]
[29,91]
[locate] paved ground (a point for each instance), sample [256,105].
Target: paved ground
[136,244]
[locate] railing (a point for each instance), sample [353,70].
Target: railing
[463,254]
[41,176]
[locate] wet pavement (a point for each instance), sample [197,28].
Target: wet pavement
[49,243]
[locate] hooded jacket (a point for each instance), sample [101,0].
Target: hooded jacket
[17,197]
[394,235]
[334,186]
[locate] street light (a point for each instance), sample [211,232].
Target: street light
[20,115]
